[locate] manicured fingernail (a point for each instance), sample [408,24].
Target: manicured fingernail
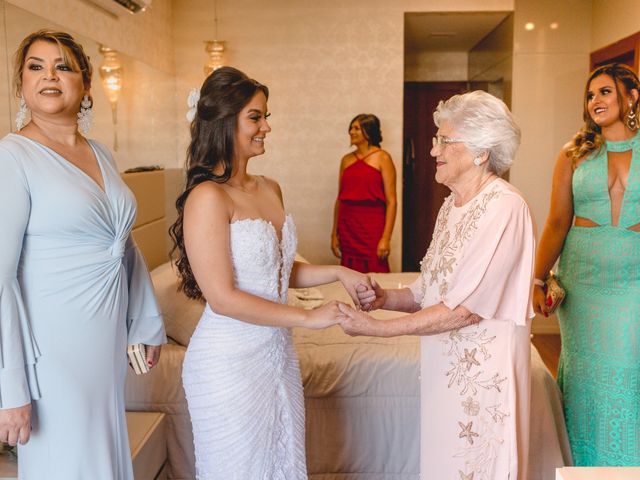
[549,301]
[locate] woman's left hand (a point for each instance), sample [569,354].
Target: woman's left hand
[359,323]
[384,249]
[152,354]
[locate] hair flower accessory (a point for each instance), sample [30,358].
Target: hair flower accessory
[192,103]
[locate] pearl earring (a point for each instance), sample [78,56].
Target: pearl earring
[477,161]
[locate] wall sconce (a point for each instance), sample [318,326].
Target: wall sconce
[215,48]
[111,75]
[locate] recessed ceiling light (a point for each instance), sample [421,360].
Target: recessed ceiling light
[554,25]
[529,26]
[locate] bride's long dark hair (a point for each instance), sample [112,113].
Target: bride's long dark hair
[223,95]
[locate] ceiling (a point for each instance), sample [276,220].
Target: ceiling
[448,32]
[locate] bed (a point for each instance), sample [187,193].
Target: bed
[361,393]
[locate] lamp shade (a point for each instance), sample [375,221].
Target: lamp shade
[215,49]
[111,74]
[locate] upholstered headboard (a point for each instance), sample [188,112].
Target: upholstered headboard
[150,229]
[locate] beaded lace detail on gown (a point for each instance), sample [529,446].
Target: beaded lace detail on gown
[242,381]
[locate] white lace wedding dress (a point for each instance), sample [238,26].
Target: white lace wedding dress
[242,381]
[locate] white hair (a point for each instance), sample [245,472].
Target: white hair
[484,124]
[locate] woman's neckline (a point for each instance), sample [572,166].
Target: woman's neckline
[622,145]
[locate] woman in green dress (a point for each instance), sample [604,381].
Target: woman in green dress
[594,226]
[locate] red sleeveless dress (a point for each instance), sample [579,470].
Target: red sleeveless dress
[361,217]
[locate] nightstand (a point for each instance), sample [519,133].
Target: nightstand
[148,448]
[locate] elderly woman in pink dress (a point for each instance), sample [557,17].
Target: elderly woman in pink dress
[471,303]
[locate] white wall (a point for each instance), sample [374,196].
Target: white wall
[324,62]
[549,70]
[436,67]
[146,36]
[613,20]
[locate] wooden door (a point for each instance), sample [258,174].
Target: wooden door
[422,196]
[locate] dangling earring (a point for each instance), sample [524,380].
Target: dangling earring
[85,115]
[21,115]
[632,119]
[477,161]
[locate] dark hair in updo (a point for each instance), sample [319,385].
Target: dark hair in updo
[223,95]
[370,125]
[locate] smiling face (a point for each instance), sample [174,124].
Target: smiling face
[602,101]
[252,127]
[454,161]
[356,134]
[49,85]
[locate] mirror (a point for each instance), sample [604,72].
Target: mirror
[146,111]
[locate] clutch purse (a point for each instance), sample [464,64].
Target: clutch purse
[138,358]
[555,293]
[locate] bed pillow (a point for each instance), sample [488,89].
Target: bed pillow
[181,314]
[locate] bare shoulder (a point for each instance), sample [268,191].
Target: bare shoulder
[210,198]
[347,160]
[385,159]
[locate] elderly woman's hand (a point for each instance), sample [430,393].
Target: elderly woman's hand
[15,425]
[371,298]
[351,280]
[540,301]
[359,323]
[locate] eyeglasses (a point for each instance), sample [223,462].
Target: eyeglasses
[440,141]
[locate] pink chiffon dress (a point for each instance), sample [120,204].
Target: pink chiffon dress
[475,380]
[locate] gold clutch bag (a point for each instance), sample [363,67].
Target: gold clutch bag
[138,358]
[555,293]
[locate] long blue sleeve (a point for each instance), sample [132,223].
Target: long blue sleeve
[144,320]
[18,349]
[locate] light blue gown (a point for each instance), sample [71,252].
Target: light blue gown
[74,291]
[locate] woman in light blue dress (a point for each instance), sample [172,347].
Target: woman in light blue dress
[74,289]
[594,226]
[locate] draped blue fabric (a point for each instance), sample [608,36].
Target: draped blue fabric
[74,291]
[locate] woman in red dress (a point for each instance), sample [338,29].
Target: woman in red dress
[366,205]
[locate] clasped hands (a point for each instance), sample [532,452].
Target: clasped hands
[367,295]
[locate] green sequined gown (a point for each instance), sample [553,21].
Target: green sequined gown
[599,370]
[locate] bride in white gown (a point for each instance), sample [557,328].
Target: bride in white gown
[236,250]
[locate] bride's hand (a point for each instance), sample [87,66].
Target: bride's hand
[325,316]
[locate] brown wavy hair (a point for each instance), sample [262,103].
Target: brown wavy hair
[72,53]
[589,138]
[223,95]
